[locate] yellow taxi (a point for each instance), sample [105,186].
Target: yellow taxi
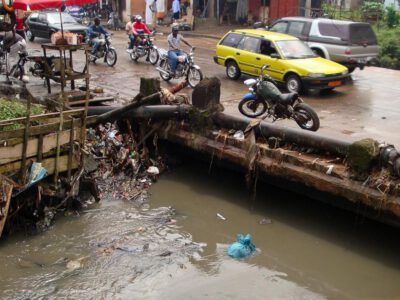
[292,62]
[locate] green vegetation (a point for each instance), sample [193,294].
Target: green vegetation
[10,109]
[389,46]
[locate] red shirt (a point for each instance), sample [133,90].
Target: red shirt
[136,26]
[19,23]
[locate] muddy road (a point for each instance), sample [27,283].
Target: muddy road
[368,107]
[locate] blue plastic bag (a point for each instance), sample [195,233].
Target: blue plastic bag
[243,247]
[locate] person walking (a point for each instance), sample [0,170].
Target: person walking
[176,9]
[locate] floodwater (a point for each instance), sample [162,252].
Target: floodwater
[122,250]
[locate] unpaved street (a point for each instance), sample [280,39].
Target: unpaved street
[369,107]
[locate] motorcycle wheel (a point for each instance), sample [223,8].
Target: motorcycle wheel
[17,72]
[134,56]
[165,66]
[153,56]
[306,117]
[194,77]
[252,108]
[111,57]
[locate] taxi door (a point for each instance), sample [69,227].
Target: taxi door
[267,54]
[249,60]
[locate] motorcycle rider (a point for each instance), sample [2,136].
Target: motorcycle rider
[93,33]
[128,29]
[174,47]
[138,26]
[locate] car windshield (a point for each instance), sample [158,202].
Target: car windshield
[54,18]
[295,49]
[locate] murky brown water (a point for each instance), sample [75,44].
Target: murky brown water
[118,250]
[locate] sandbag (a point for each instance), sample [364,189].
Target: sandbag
[243,247]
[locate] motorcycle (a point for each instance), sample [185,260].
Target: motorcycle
[105,50]
[38,67]
[185,68]
[146,48]
[265,97]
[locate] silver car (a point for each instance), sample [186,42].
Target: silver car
[352,44]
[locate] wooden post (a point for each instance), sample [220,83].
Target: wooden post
[5,196]
[87,82]
[71,148]
[58,142]
[26,138]
[40,148]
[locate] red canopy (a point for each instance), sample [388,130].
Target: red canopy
[44,4]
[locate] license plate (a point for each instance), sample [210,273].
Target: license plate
[335,83]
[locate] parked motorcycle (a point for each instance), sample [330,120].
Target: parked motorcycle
[185,68]
[146,48]
[38,65]
[265,97]
[105,50]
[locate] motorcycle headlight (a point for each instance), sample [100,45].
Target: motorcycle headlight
[315,75]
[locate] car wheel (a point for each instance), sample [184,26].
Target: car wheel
[351,69]
[319,52]
[30,35]
[293,84]
[232,70]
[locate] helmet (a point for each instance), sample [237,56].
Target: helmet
[175,27]
[139,18]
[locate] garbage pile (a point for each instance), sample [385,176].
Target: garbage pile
[123,166]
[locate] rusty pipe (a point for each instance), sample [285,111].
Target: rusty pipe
[291,135]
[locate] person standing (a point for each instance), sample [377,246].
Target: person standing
[176,9]
[153,8]
[174,48]
[20,27]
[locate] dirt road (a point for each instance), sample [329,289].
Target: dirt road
[368,107]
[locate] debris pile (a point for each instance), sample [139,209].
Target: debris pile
[122,167]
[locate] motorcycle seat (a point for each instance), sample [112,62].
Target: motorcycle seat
[288,98]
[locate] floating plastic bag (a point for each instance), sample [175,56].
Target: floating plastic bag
[243,247]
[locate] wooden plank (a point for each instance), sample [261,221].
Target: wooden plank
[47,163]
[66,114]
[5,196]
[37,130]
[13,153]
[93,100]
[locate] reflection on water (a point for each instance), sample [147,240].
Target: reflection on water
[119,250]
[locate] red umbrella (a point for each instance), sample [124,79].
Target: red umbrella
[44,4]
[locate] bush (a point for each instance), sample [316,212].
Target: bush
[392,19]
[389,46]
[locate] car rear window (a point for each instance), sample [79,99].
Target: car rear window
[334,30]
[362,34]
[231,40]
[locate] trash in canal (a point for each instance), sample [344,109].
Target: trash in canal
[265,221]
[243,247]
[221,217]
